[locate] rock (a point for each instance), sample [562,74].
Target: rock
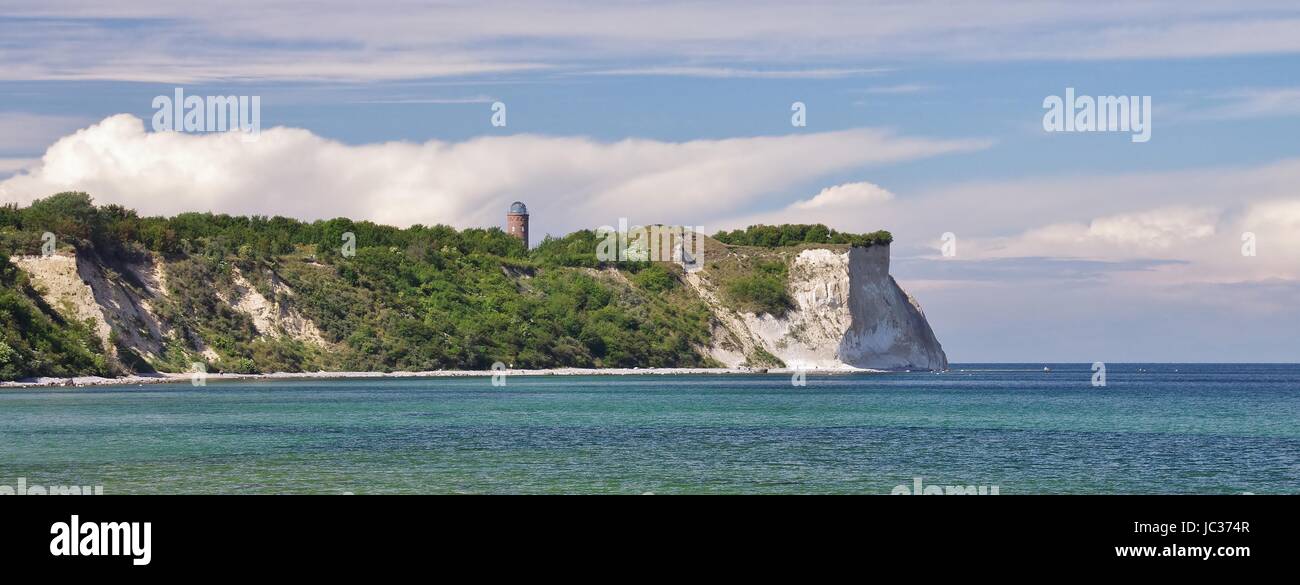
[849,313]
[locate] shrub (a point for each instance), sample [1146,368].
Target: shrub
[654,278]
[791,234]
[762,291]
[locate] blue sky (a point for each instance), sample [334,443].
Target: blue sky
[923,118]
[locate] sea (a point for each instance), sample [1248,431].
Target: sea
[1002,429]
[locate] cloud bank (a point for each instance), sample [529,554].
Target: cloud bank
[1158,228]
[568,182]
[1140,229]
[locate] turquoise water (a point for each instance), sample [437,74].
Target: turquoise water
[1169,429]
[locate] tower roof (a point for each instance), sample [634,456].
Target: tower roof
[518,207]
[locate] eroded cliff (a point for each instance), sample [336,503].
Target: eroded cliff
[840,309]
[846,312]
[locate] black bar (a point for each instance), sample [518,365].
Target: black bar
[314,534]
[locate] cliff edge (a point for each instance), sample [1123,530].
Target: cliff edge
[100,291]
[844,311]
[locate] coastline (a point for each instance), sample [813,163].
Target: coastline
[175,378]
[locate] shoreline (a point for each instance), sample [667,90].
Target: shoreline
[175,378]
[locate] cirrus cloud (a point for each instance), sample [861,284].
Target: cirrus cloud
[188,42]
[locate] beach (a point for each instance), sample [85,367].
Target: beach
[173,378]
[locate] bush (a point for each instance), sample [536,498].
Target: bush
[37,341]
[791,234]
[762,291]
[417,298]
[654,278]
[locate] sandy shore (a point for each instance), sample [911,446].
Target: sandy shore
[162,378]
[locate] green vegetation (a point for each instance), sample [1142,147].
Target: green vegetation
[772,236]
[419,298]
[761,290]
[36,341]
[655,278]
[194,310]
[761,358]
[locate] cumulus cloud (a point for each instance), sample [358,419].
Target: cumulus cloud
[1164,228]
[1146,283]
[1150,284]
[568,182]
[845,195]
[1157,229]
[1044,255]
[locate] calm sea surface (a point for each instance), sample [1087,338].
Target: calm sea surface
[1157,428]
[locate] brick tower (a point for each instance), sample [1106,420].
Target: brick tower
[517,221]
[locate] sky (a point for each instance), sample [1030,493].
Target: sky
[922,118]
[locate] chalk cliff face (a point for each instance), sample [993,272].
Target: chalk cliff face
[888,328]
[122,305]
[848,313]
[87,292]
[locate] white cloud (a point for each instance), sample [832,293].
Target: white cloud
[903,88]
[568,182]
[1077,252]
[1202,244]
[240,39]
[1280,214]
[160,66]
[1142,232]
[857,196]
[478,99]
[1128,267]
[725,72]
[1156,229]
[1255,103]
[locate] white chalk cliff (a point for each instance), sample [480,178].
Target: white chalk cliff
[848,313]
[123,312]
